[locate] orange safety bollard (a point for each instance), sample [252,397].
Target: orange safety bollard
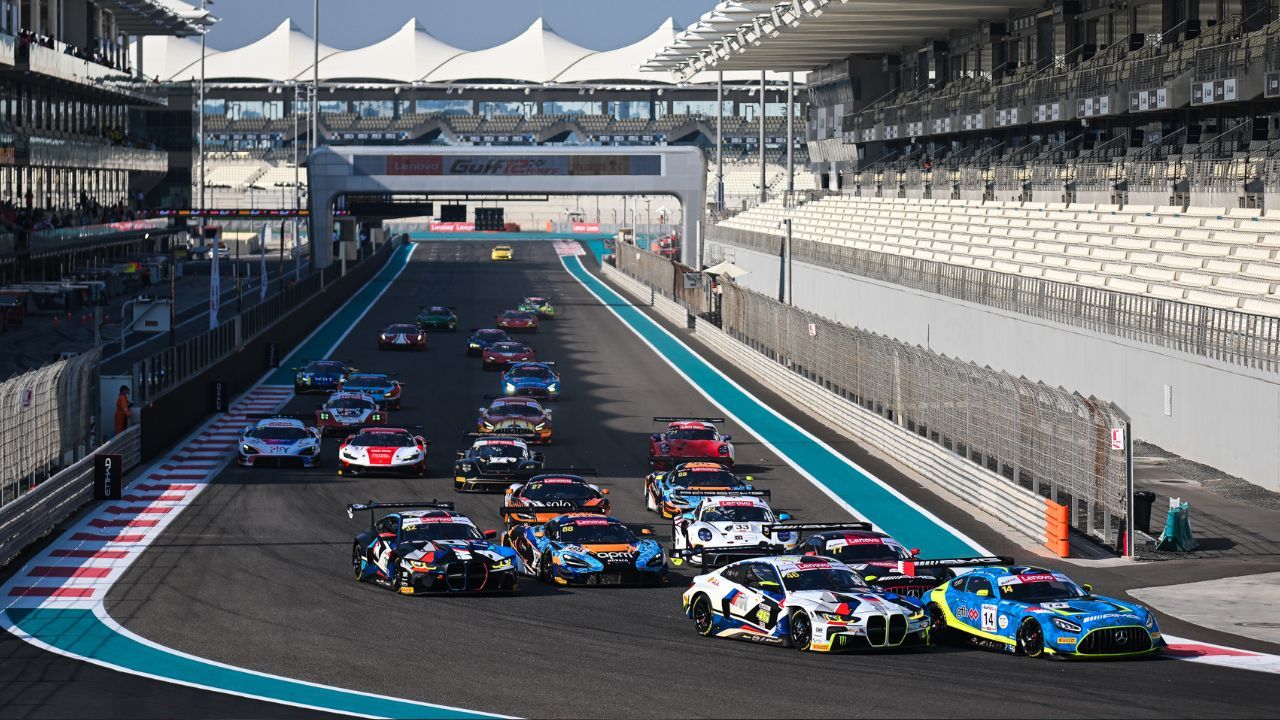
[1057,522]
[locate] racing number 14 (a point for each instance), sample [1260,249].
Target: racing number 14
[989,618]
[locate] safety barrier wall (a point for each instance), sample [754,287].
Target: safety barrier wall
[1226,335]
[1001,443]
[36,513]
[169,414]
[46,422]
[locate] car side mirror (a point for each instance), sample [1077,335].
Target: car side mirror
[537,457]
[538,533]
[604,491]
[783,517]
[655,436]
[490,534]
[386,535]
[1087,588]
[686,516]
[646,531]
[726,438]
[481,410]
[915,552]
[983,593]
[460,453]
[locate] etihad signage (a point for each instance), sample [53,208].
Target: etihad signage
[509,165]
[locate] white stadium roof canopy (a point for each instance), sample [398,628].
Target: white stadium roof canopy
[412,55]
[799,35]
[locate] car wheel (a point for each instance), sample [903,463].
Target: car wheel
[422,469]
[1031,638]
[544,568]
[704,620]
[938,630]
[801,630]
[357,562]
[397,580]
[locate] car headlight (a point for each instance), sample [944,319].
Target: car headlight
[552,387]
[488,426]
[575,561]
[540,426]
[348,454]
[1065,625]
[836,617]
[306,379]
[505,564]
[1150,622]
[419,565]
[465,467]
[656,560]
[475,345]
[723,449]
[248,449]
[704,535]
[510,387]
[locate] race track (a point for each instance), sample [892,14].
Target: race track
[257,572]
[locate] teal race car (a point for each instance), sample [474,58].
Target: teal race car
[539,305]
[437,317]
[1036,612]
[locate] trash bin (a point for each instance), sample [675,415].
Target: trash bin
[1142,502]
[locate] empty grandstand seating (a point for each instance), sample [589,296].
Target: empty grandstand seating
[1219,258]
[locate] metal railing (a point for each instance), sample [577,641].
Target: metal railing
[36,513]
[1228,336]
[46,422]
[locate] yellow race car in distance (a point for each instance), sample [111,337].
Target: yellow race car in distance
[502,252]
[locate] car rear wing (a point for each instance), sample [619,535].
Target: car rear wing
[718,557]
[983,561]
[510,397]
[559,472]
[371,506]
[771,528]
[723,493]
[536,515]
[522,432]
[304,417]
[666,419]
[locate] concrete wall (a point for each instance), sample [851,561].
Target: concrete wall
[1210,412]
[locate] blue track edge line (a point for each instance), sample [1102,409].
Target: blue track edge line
[840,477]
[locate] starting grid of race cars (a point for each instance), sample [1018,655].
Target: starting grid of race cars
[818,586]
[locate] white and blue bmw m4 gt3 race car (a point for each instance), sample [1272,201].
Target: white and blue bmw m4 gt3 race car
[279,441]
[802,601]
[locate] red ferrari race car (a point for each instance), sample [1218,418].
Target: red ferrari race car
[520,416]
[500,355]
[517,321]
[383,450]
[347,411]
[689,439]
[402,336]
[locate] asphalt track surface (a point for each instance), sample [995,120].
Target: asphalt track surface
[257,572]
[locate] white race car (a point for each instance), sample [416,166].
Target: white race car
[383,450]
[728,525]
[279,441]
[802,601]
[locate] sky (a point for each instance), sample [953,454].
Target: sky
[467,24]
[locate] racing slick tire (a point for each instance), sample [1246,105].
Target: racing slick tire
[422,469]
[396,582]
[801,636]
[544,569]
[1031,638]
[704,619]
[357,558]
[938,630]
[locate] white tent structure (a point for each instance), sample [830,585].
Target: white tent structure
[286,53]
[409,55]
[412,55]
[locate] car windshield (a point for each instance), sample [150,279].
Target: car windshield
[517,315]
[704,478]
[491,335]
[369,381]
[280,432]
[536,300]
[506,347]
[540,491]
[1043,591]
[822,578]
[383,439]
[596,533]
[351,403]
[531,371]
[436,312]
[867,551]
[495,450]
[744,513]
[515,410]
[438,531]
[397,329]
[692,434]
[324,367]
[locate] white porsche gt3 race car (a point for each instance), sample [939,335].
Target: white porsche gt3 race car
[279,441]
[729,525]
[802,601]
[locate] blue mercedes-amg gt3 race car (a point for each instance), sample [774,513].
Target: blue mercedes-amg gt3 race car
[531,379]
[588,549]
[1037,612]
[425,547]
